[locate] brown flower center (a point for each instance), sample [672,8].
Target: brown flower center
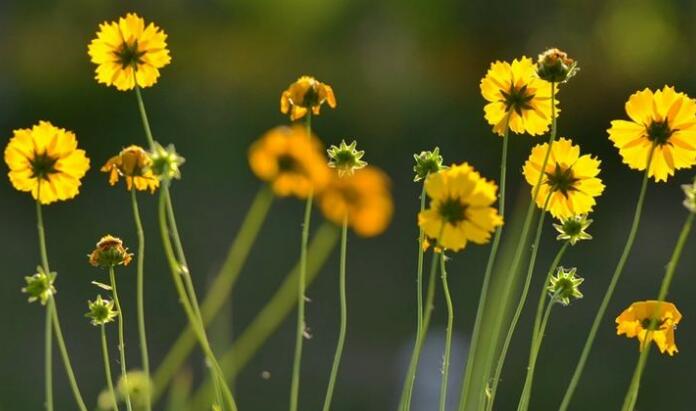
[517,99]
[452,210]
[561,180]
[659,132]
[42,165]
[129,55]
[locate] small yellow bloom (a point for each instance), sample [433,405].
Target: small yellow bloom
[515,91]
[460,207]
[132,163]
[291,161]
[304,94]
[364,196]
[110,252]
[46,156]
[635,322]
[570,179]
[666,119]
[127,51]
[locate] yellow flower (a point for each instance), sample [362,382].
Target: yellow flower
[569,178]
[364,196]
[516,91]
[132,163]
[127,50]
[46,156]
[635,322]
[460,207]
[291,161]
[665,119]
[304,94]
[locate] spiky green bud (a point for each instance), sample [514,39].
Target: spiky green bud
[40,286]
[346,158]
[427,162]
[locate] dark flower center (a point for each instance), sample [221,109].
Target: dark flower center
[561,180]
[42,165]
[452,210]
[517,99]
[287,163]
[311,97]
[659,132]
[572,228]
[129,55]
[645,323]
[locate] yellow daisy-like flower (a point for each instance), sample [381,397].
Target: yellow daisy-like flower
[291,161]
[666,119]
[364,196]
[635,322]
[460,207]
[127,51]
[517,98]
[133,163]
[306,94]
[46,157]
[569,178]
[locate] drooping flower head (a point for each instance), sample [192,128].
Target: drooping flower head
[346,158]
[427,162]
[636,321]
[291,161]
[165,162]
[573,229]
[569,178]
[364,197]
[46,157]
[306,94]
[127,51]
[101,311]
[555,66]
[460,207]
[40,286]
[109,253]
[564,286]
[665,119]
[517,98]
[133,164]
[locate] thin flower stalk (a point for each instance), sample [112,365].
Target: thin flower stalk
[448,333]
[121,345]
[542,298]
[107,368]
[66,358]
[580,367]
[632,393]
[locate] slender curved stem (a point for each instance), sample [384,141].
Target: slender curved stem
[580,367]
[48,332]
[66,358]
[143,116]
[107,368]
[632,393]
[542,295]
[344,316]
[448,334]
[121,344]
[476,333]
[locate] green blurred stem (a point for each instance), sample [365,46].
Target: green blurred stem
[542,295]
[520,303]
[66,358]
[476,333]
[107,367]
[48,332]
[632,394]
[448,338]
[121,345]
[143,116]
[220,289]
[274,312]
[579,368]
[140,293]
[344,316]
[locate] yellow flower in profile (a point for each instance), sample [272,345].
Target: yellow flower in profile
[305,94]
[133,164]
[635,322]
[364,196]
[46,157]
[569,178]
[127,51]
[460,207]
[666,119]
[291,161]
[517,97]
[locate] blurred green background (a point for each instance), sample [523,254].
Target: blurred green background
[406,78]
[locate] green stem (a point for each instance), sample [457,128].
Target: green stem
[107,368]
[448,338]
[476,333]
[579,368]
[520,303]
[121,345]
[143,116]
[66,358]
[220,289]
[632,394]
[140,294]
[344,316]
[542,297]
[48,358]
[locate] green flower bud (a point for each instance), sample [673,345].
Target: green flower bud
[40,286]
[346,158]
[165,162]
[564,286]
[572,229]
[427,162]
[555,66]
[101,311]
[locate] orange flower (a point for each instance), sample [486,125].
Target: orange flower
[304,94]
[132,163]
[635,321]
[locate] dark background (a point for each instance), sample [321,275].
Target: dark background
[406,78]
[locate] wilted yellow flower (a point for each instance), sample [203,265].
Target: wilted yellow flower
[666,119]
[127,51]
[555,65]
[133,164]
[460,207]
[305,94]
[635,322]
[291,161]
[517,98]
[110,252]
[571,179]
[364,196]
[46,156]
